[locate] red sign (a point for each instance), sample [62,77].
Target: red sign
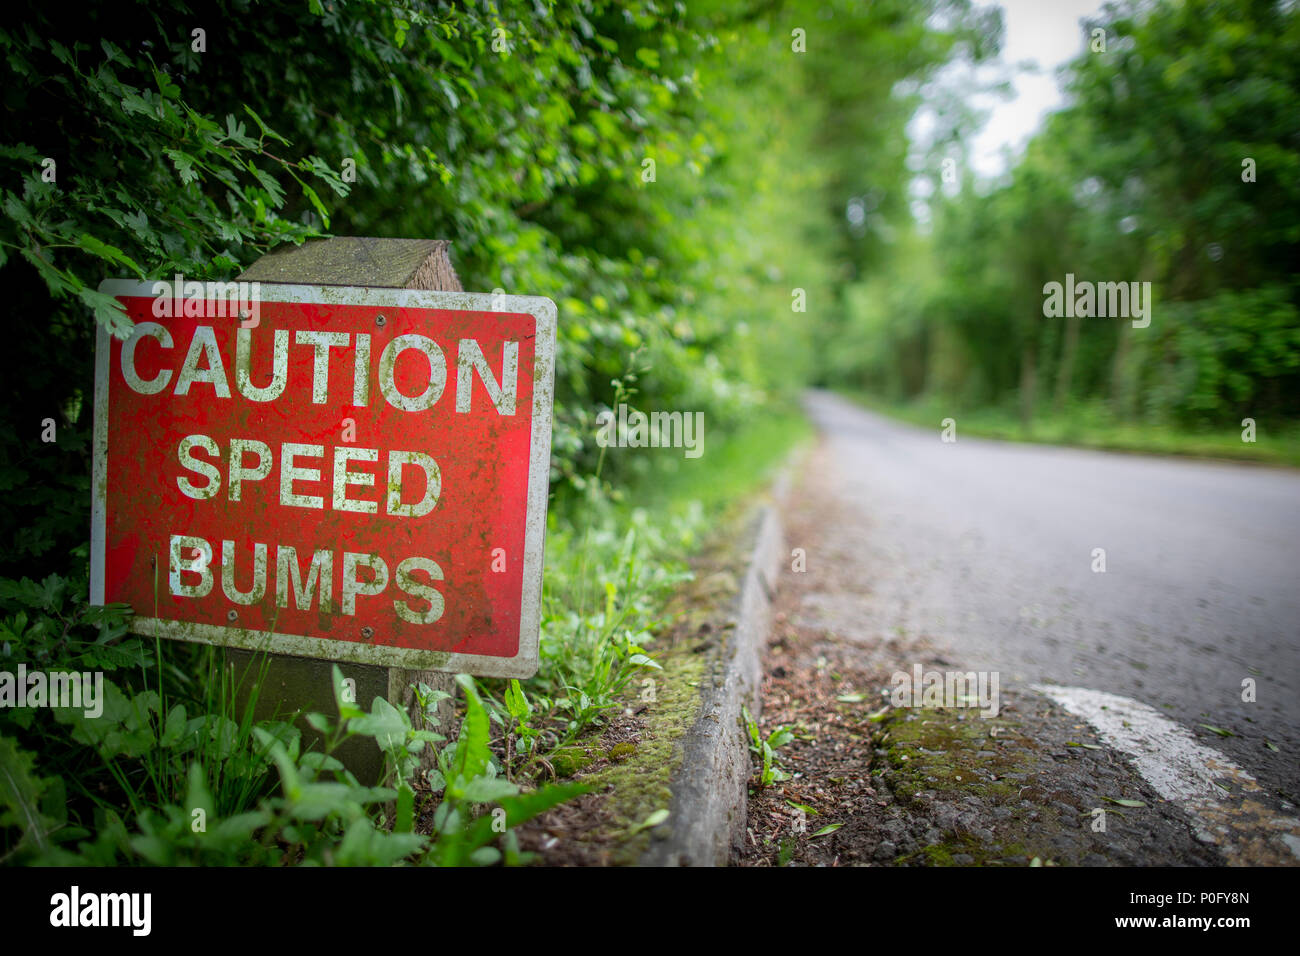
[343,473]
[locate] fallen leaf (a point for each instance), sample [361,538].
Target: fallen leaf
[1125,803]
[1218,730]
[656,818]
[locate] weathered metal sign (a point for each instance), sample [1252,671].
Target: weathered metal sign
[344,473]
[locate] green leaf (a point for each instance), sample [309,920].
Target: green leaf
[109,312]
[240,828]
[273,188]
[198,796]
[755,738]
[362,845]
[485,856]
[316,202]
[385,723]
[320,723]
[174,728]
[404,821]
[489,790]
[524,807]
[347,709]
[517,702]
[21,152]
[829,828]
[20,794]
[266,130]
[1125,803]
[318,763]
[289,779]
[472,751]
[653,820]
[105,251]
[184,164]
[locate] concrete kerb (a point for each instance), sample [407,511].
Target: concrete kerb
[710,785]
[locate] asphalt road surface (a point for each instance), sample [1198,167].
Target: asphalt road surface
[990,547]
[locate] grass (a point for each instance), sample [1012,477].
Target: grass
[177,740]
[1091,426]
[614,559]
[680,509]
[744,462]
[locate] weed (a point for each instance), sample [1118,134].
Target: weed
[770,771]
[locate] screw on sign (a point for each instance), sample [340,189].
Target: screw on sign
[230,509]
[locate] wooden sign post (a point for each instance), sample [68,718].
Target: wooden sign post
[349,466]
[303,683]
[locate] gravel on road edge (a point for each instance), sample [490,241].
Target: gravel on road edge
[874,784]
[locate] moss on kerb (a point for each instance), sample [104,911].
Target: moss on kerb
[938,756]
[636,778]
[622,751]
[641,783]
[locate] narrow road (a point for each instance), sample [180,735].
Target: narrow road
[988,548]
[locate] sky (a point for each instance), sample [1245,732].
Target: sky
[1048,33]
[1038,37]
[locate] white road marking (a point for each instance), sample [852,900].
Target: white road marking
[1183,770]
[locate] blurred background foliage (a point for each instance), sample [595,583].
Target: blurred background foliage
[1142,177]
[720,196]
[674,175]
[518,129]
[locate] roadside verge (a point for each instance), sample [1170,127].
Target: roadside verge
[669,770]
[709,805]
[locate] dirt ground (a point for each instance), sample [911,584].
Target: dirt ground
[628,762]
[873,784]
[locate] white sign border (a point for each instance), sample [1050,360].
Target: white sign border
[525,662]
